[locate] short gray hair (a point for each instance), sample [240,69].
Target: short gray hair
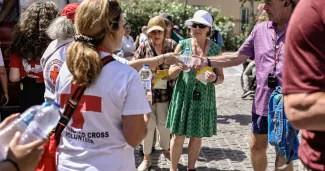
[61,28]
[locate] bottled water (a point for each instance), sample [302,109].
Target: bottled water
[146,76]
[20,124]
[44,121]
[186,58]
[120,54]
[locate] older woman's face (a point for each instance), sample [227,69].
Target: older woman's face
[156,36]
[199,30]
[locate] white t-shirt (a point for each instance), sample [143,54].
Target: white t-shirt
[128,44]
[53,65]
[1,58]
[93,139]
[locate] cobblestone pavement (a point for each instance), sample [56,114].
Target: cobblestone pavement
[229,149]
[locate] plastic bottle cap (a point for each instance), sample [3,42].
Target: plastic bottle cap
[57,105]
[46,104]
[145,65]
[122,51]
[187,49]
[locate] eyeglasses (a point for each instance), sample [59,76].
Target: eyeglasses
[154,32]
[201,26]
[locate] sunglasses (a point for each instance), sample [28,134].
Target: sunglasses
[201,26]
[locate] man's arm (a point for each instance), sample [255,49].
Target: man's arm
[306,111]
[4,82]
[228,60]
[14,74]
[245,52]
[7,8]
[303,68]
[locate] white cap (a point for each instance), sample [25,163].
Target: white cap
[202,17]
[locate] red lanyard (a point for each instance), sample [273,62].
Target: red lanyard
[103,50]
[276,52]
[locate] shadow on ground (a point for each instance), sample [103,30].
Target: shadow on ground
[242,119]
[206,155]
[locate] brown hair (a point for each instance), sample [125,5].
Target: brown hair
[29,36]
[209,33]
[94,19]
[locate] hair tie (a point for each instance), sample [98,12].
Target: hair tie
[83,38]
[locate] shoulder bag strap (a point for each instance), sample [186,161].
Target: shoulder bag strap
[72,104]
[154,52]
[49,56]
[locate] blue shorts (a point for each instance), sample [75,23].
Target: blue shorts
[259,124]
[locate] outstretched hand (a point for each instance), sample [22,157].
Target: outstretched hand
[198,63]
[27,155]
[172,59]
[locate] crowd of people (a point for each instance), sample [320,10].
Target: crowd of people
[51,56]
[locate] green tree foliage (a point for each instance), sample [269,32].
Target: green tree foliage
[138,13]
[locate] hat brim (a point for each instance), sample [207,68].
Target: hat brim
[169,21]
[155,28]
[197,20]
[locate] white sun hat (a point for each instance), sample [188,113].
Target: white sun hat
[202,17]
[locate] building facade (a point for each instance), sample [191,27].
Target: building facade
[239,12]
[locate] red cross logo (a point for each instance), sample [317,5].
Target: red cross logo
[86,103]
[54,74]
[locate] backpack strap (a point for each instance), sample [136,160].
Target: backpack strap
[43,62]
[154,52]
[72,104]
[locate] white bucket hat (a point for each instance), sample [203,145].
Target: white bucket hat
[202,17]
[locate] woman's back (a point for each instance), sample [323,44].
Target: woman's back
[94,139]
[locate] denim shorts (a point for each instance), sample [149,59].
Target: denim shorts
[259,124]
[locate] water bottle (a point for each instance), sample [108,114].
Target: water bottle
[44,121]
[146,76]
[120,54]
[20,124]
[186,57]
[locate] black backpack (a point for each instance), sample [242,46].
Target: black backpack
[214,36]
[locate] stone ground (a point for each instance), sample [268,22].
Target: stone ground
[229,149]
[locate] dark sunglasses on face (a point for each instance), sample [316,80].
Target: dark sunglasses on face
[201,26]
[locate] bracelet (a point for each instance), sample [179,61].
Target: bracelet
[164,58]
[158,60]
[13,163]
[209,62]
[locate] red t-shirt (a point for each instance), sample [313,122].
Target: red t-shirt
[31,69]
[304,70]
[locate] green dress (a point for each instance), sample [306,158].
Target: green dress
[193,118]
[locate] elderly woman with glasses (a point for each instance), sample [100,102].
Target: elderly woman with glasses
[157,45]
[192,112]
